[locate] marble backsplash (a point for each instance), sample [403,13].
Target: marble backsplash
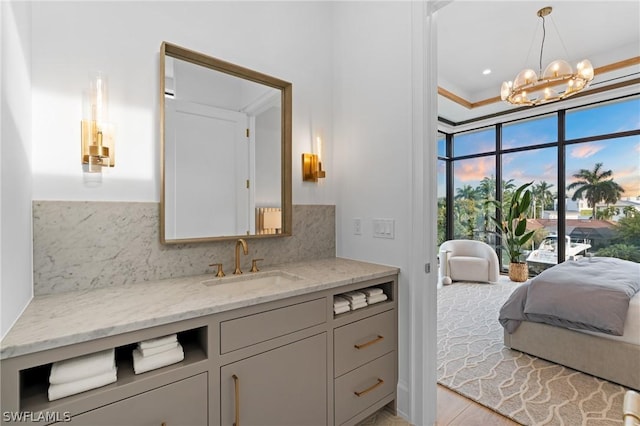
[79,245]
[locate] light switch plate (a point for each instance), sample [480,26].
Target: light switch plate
[357,226]
[384,228]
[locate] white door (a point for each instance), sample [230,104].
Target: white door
[206,179]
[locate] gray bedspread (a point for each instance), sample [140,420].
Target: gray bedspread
[586,294]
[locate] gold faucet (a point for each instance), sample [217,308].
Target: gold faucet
[245,249]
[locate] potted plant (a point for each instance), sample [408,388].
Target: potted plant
[513,230]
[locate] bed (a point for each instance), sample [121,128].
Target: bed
[590,320]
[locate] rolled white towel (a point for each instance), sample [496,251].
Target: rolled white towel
[74,369]
[158,349]
[358,305]
[354,295]
[339,301]
[57,391]
[158,341]
[341,309]
[143,364]
[377,299]
[372,291]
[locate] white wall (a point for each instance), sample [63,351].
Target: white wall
[373,143]
[15,157]
[289,40]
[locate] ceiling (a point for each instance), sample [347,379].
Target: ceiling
[505,36]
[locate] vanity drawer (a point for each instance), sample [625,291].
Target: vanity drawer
[246,331]
[180,403]
[359,389]
[359,342]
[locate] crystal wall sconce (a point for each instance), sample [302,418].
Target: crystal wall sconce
[97,133]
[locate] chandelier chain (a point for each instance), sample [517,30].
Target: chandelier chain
[544,35]
[564,47]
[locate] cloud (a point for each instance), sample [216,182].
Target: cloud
[585,150]
[629,180]
[476,170]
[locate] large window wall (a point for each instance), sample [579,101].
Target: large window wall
[589,157]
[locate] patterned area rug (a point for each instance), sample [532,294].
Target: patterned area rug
[473,361]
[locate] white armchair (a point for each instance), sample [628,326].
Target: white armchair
[468,260]
[631,408]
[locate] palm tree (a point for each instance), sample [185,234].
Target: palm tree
[542,195]
[465,209]
[467,192]
[595,186]
[487,188]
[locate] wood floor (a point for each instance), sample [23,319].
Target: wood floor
[453,409]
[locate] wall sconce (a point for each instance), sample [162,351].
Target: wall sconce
[97,139]
[312,165]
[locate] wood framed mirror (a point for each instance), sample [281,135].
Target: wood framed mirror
[225,155]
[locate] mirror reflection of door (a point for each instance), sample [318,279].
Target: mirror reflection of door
[222,152]
[208,171]
[265,156]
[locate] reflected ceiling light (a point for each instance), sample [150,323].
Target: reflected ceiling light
[486,72]
[558,81]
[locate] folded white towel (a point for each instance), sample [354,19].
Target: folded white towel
[142,363]
[74,369]
[354,295]
[158,349]
[57,391]
[158,341]
[358,305]
[339,301]
[377,299]
[372,291]
[341,309]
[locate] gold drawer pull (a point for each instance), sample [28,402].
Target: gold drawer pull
[236,383]
[369,343]
[369,389]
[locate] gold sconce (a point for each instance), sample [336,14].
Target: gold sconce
[312,165]
[97,138]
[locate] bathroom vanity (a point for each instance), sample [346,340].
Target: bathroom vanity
[262,348]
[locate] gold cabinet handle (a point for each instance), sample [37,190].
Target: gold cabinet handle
[236,383]
[369,389]
[370,342]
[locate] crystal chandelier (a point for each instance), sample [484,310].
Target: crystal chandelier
[557,82]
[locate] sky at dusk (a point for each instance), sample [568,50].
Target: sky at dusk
[621,155]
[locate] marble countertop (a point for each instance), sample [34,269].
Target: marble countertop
[57,320]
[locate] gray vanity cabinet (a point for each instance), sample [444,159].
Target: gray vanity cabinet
[290,361]
[280,387]
[183,403]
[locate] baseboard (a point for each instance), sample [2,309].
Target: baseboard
[403,400]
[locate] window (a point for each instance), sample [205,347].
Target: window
[603,204]
[539,166]
[474,183]
[474,142]
[602,119]
[601,143]
[530,132]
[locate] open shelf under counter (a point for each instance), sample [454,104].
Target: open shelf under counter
[388,288]
[34,382]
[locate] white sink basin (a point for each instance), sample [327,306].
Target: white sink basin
[269,278]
